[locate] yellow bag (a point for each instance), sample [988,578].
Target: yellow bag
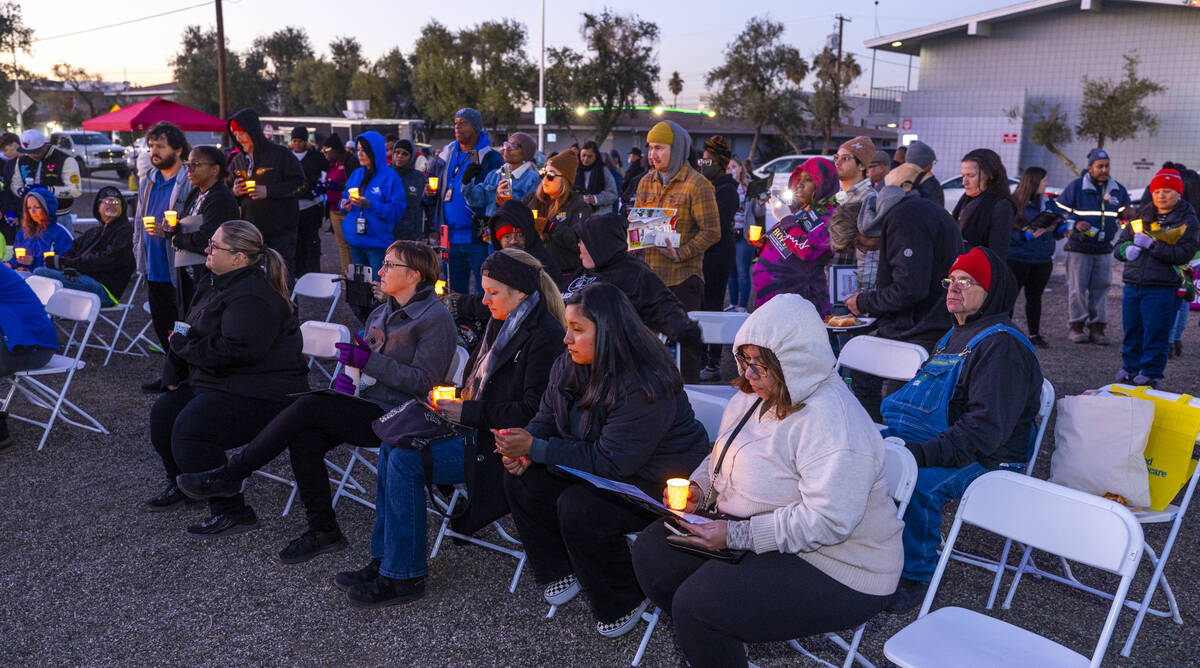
[1169,450]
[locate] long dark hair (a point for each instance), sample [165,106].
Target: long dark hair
[991,167]
[368,172]
[627,355]
[1026,192]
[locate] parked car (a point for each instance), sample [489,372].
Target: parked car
[94,151]
[953,190]
[784,165]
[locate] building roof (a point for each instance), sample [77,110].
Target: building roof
[980,25]
[157,90]
[699,125]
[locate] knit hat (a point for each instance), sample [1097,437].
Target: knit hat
[861,148]
[636,151]
[567,164]
[976,265]
[1167,179]
[471,116]
[334,141]
[920,154]
[527,144]
[300,132]
[404,144]
[661,133]
[719,148]
[502,267]
[823,172]
[1096,154]
[881,158]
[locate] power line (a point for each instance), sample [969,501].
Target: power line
[123,23]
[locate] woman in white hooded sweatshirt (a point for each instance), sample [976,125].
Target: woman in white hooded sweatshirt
[801,482]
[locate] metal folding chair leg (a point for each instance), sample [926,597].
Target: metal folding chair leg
[447,508]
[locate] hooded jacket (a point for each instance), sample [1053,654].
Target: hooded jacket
[105,252]
[919,243]
[23,319]
[1155,266]
[999,388]
[54,238]
[604,237]
[273,168]
[559,231]
[481,195]
[385,192]
[456,213]
[697,219]
[796,251]
[412,225]
[179,194]
[812,483]
[520,218]
[1083,201]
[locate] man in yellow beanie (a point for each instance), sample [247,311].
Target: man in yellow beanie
[673,184]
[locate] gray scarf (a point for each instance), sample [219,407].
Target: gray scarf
[489,354]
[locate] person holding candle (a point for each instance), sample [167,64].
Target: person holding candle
[802,490]
[488,193]
[412,225]
[505,378]
[209,205]
[40,231]
[100,261]
[560,208]
[1170,236]
[374,204]
[407,349]
[614,407]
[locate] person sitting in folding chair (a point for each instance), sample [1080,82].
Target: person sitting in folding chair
[101,259]
[502,386]
[27,336]
[804,492]
[615,407]
[40,232]
[970,408]
[408,349]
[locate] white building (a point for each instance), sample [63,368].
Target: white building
[976,68]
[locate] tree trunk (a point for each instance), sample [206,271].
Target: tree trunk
[1065,160]
[1100,140]
[795,148]
[754,142]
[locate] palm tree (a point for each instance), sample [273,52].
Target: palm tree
[675,85]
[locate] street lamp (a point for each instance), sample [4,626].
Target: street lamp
[658,111]
[580,110]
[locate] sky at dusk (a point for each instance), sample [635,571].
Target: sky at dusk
[693,34]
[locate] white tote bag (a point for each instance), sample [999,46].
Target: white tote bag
[1099,443]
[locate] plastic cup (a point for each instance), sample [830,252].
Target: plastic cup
[1136,225]
[181,328]
[677,493]
[534,213]
[352,193]
[250,187]
[18,251]
[755,232]
[148,222]
[433,183]
[444,392]
[440,288]
[171,217]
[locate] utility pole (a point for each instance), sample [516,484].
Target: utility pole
[17,88]
[541,83]
[222,90]
[837,81]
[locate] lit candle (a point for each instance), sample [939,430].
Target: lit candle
[756,232]
[171,217]
[444,392]
[148,223]
[250,187]
[18,251]
[535,213]
[433,183]
[1136,224]
[440,288]
[677,493]
[352,193]
[47,255]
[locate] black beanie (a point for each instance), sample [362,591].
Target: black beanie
[300,132]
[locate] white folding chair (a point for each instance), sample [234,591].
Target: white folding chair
[1076,525]
[44,287]
[319,286]
[894,360]
[1173,513]
[121,312]
[80,308]
[1043,418]
[900,472]
[141,337]
[444,531]
[716,328]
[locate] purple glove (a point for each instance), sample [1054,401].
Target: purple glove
[344,384]
[1132,252]
[1142,240]
[354,354]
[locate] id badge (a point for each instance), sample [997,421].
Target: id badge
[449,194]
[360,225]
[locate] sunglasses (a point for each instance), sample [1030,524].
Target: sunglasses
[547,176]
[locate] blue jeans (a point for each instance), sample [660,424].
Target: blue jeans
[372,257]
[465,262]
[398,539]
[739,280]
[1148,314]
[923,519]
[84,283]
[1180,320]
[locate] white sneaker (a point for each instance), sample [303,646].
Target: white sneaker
[620,627]
[710,373]
[562,590]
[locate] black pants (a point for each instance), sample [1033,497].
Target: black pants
[691,293]
[23,359]
[311,426]
[717,606]
[718,264]
[1032,278]
[308,244]
[164,309]
[571,527]
[191,430]
[284,243]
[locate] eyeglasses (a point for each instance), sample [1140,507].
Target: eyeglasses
[704,162]
[193,164]
[744,364]
[111,201]
[842,158]
[963,284]
[214,247]
[511,146]
[392,265]
[547,176]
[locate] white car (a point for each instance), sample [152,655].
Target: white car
[953,190]
[94,151]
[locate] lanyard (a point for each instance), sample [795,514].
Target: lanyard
[712,488]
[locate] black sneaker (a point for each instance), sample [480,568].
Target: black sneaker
[209,484]
[312,543]
[1039,341]
[384,591]
[154,387]
[348,579]
[6,442]
[224,524]
[909,595]
[169,498]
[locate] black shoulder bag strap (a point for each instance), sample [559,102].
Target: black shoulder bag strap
[709,502]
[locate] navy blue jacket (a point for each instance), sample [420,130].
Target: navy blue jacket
[1024,247]
[1081,200]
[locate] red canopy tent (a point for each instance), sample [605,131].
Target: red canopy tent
[143,115]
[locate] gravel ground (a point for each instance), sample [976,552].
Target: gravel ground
[93,579]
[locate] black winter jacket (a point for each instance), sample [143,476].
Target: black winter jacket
[218,206]
[725,189]
[1155,266]
[559,233]
[105,252]
[919,243]
[604,237]
[244,339]
[998,392]
[276,170]
[412,225]
[931,190]
[986,221]
[635,441]
[520,217]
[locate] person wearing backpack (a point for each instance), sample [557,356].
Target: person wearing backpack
[969,410]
